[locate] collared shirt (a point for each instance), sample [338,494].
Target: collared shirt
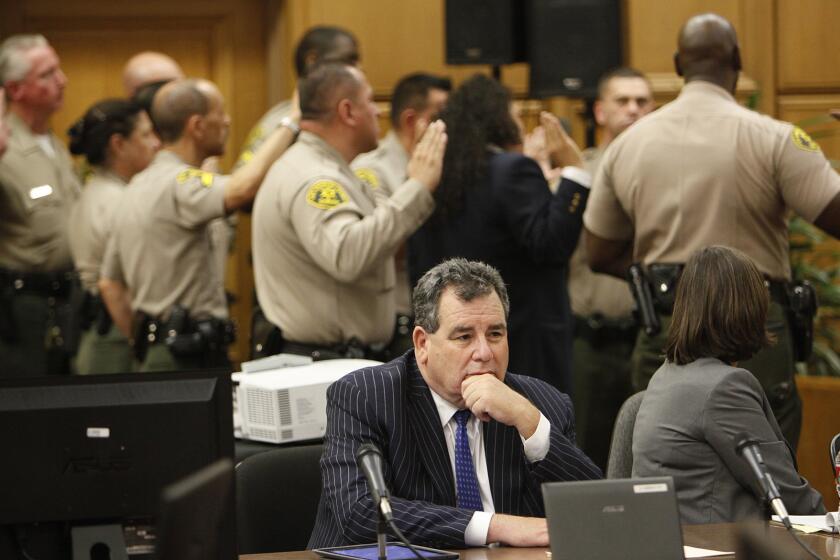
[703,170]
[591,293]
[37,191]
[91,223]
[161,246]
[324,246]
[384,170]
[535,447]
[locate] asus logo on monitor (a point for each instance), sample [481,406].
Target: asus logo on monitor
[83,465]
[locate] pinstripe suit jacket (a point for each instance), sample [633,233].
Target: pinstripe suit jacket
[391,406]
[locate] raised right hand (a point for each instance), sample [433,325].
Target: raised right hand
[426,162]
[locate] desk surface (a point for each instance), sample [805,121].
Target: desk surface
[716,537]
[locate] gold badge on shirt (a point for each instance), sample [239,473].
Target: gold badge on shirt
[368,176]
[326,194]
[802,141]
[205,177]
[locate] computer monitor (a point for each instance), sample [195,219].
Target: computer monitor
[97,451]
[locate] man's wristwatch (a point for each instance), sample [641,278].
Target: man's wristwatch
[287,122]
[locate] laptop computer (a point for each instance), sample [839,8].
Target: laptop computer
[617,519]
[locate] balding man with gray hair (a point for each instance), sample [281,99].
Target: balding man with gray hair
[158,272]
[324,244]
[37,188]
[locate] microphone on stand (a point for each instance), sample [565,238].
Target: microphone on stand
[747,447]
[369,459]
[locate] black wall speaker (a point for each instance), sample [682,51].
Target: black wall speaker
[485,31]
[570,44]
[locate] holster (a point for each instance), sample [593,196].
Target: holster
[802,308]
[640,286]
[140,335]
[266,337]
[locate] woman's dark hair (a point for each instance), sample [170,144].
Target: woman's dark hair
[89,136]
[476,115]
[720,308]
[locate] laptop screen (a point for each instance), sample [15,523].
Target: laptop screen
[613,519]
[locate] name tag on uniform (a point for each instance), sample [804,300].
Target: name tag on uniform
[40,192]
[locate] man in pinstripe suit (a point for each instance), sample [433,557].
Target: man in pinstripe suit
[520,431]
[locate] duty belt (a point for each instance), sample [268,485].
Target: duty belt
[55,284]
[598,330]
[663,280]
[350,349]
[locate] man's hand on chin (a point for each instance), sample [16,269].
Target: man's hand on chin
[513,530]
[489,398]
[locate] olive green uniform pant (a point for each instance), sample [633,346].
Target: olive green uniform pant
[602,384]
[773,367]
[104,353]
[32,351]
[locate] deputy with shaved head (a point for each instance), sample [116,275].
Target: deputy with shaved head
[702,171]
[158,275]
[323,243]
[149,67]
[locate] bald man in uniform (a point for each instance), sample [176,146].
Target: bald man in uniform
[605,330]
[701,171]
[319,44]
[158,279]
[149,67]
[417,99]
[323,243]
[37,189]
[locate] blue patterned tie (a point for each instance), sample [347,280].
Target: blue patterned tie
[466,481]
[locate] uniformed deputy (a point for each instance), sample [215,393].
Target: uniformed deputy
[323,245]
[318,44]
[605,330]
[37,188]
[703,170]
[116,138]
[160,252]
[417,99]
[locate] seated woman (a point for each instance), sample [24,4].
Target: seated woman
[700,399]
[117,140]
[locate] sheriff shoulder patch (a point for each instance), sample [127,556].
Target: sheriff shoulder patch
[802,141]
[205,177]
[325,194]
[369,176]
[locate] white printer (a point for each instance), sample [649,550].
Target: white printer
[288,402]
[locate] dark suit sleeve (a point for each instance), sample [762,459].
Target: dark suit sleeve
[352,420]
[564,461]
[546,225]
[737,404]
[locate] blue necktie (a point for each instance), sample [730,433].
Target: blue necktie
[466,481]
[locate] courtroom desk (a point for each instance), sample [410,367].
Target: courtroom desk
[721,536]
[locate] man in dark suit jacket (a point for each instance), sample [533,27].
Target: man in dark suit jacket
[520,431]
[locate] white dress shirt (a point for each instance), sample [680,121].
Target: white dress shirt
[535,447]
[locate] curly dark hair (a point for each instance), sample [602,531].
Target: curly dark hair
[477,114]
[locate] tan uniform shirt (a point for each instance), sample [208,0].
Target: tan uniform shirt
[323,246]
[591,293]
[91,224]
[703,170]
[161,247]
[37,192]
[384,170]
[265,126]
